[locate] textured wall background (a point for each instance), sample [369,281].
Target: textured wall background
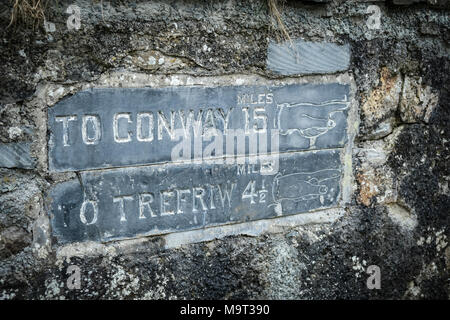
[398,217]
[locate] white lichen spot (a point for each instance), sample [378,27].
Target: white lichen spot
[441,241]
[159,292]
[239,81]
[151,60]
[358,266]
[5,295]
[421,241]
[122,283]
[14,132]
[413,289]
[403,218]
[52,289]
[175,81]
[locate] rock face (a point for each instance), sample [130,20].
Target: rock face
[393,209]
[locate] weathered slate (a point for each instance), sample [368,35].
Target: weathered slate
[303,57]
[128,202]
[104,128]
[16,155]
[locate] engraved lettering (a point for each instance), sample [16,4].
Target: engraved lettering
[163,123]
[181,198]
[142,134]
[91,122]
[121,200]
[117,137]
[164,204]
[187,123]
[227,194]
[198,193]
[83,209]
[261,117]
[65,121]
[144,205]
[225,117]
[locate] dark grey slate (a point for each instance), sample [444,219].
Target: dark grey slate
[16,155]
[305,181]
[309,116]
[303,57]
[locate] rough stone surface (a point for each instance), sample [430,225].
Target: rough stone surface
[135,126]
[397,216]
[127,202]
[418,101]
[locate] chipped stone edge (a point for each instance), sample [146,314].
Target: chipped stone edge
[348,183]
[254,228]
[179,239]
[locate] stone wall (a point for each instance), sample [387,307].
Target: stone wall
[396,211]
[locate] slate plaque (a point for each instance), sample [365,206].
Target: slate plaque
[126,202]
[305,57]
[116,127]
[16,155]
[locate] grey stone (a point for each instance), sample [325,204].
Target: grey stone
[127,202]
[303,57]
[13,240]
[308,116]
[16,155]
[326,260]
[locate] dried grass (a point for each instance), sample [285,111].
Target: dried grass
[277,22]
[32,13]
[28,12]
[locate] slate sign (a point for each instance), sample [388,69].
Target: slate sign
[126,202]
[184,158]
[104,128]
